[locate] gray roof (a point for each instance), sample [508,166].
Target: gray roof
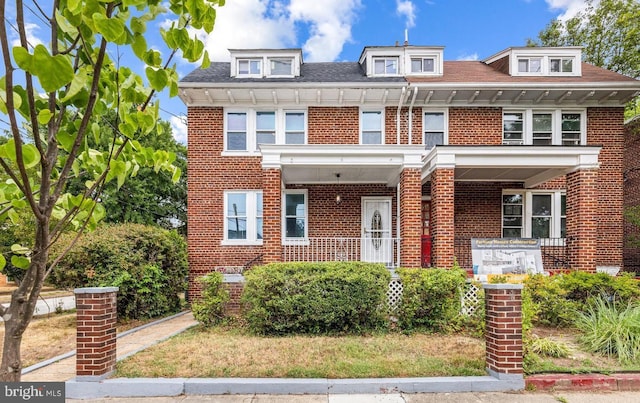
[336,72]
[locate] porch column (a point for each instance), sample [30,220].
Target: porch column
[271,227]
[442,216]
[410,217]
[582,219]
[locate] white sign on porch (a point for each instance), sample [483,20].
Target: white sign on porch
[505,256]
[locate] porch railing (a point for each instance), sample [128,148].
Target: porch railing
[381,250]
[553,251]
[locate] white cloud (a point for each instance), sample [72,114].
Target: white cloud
[468,57]
[330,25]
[570,7]
[30,31]
[408,10]
[179,128]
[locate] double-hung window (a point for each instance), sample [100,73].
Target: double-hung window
[561,65]
[544,127]
[435,128]
[246,130]
[371,127]
[250,67]
[530,65]
[385,66]
[534,214]
[295,215]
[243,216]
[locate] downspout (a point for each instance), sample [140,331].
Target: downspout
[413,100]
[398,239]
[404,90]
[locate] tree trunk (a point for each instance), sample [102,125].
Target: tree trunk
[11,366]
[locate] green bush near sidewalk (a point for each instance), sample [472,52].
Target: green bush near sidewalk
[316,298]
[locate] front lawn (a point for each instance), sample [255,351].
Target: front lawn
[224,352]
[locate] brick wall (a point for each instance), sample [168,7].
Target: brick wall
[442,217]
[475,126]
[631,192]
[330,125]
[582,219]
[410,217]
[503,329]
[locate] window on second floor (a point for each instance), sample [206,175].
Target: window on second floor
[245,130]
[534,214]
[385,66]
[371,127]
[544,127]
[435,128]
[250,67]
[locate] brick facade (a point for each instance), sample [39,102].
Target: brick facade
[631,193]
[442,217]
[410,216]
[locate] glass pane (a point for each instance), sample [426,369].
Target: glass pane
[237,122]
[433,139]
[512,209]
[255,66]
[281,67]
[236,228]
[294,121]
[294,138]
[236,141]
[295,205]
[428,65]
[371,121]
[535,65]
[416,65]
[563,205]
[523,65]
[511,233]
[554,65]
[571,122]
[378,66]
[541,205]
[266,137]
[434,121]
[513,136]
[540,227]
[541,140]
[512,221]
[236,204]
[243,67]
[563,227]
[512,199]
[266,120]
[295,228]
[259,204]
[259,228]
[542,122]
[567,65]
[513,126]
[372,138]
[391,66]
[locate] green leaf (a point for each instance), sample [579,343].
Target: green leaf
[65,140]
[20,262]
[110,28]
[30,155]
[54,72]
[206,61]
[24,59]
[8,150]
[138,25]
[44,116]
[78,83]
[139,46]
[176,175]
[3,262]
[19,249]
[64,24]
[158,79]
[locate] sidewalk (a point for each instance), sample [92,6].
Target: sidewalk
[63,368]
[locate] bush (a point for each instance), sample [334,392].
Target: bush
[148,264]
[430,298]
[209,309]
[611,328]
[316,298]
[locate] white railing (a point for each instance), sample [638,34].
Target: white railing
[382,250]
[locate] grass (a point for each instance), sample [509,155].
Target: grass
[220,352]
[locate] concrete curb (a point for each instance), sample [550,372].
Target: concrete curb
[153,387]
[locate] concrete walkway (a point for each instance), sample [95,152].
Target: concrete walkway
[63,368]
[48,305]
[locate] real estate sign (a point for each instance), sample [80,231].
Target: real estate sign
[516,257]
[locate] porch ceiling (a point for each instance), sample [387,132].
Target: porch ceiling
[532,165]
[319,164]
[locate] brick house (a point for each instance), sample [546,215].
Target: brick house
[402,157]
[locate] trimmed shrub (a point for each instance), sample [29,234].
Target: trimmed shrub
[430,298]
[148,264]
[209,309]
[316,298]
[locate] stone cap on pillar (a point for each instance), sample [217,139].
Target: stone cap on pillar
[503,286]
[95,290]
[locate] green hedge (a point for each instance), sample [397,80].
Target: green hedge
[431,298]
[316,298]
[209,309]
[148,264]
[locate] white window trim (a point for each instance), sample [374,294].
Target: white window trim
[251,219]
[268,72]
[382,119]
[295,241]
[445,112]
[252,146]
[545,65]
[385,74]
[556,123]
[249,75]
[556,210]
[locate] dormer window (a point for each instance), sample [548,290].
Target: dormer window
[561,65]
[281,67]
[250,67]
[423,65]
[385,65]
[530,65]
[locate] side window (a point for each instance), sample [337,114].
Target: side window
[434,129]
[571,129]
[295,215]
[236,127]
[371,127]
[243,217]
[513,128]
[294,128]
[512,215]
[265,127]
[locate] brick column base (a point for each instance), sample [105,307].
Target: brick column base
[96,332]
[234,283]
[503,330]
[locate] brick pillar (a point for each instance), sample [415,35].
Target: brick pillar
[234,283]
[96,317]
[272,222]
[442,211]
[582,219]
[503,330]
[410,217]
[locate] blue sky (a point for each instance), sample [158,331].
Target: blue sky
[338,30]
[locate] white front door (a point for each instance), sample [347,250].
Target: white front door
[377,245]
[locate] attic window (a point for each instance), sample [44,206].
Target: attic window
[530,65]
[561,65]
[281,66]
[422,65]
[385,65]
[250,67]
